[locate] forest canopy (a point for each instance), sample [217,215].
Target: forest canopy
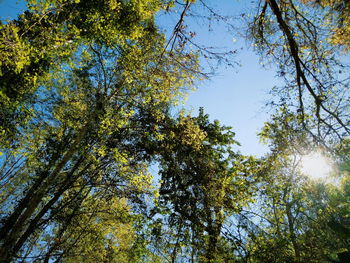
[99,163]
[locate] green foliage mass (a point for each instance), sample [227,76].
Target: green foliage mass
[87,96]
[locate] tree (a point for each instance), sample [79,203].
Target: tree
[299,39]
[204,182]
[298,218]
[91,118]
[87,91]
[49,33]
[338,13]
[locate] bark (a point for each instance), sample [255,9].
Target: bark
[291,228]
[70,179]
[18,220]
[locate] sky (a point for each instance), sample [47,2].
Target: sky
[234,96]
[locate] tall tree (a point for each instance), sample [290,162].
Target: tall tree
[298,218]
[91,116]
[204,182]
[300,40]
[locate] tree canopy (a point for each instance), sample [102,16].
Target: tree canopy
[96,165]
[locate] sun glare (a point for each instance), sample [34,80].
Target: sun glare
[315,165]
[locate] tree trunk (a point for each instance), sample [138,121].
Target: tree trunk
[17,221]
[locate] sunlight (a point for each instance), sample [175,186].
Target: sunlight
[315,165]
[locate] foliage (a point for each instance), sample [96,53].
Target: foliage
[202,185]
[338,13]
[90,115]
[300,40]
[49,33]
[87,96]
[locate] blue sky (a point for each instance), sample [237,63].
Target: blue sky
[234,96]
[10,8]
